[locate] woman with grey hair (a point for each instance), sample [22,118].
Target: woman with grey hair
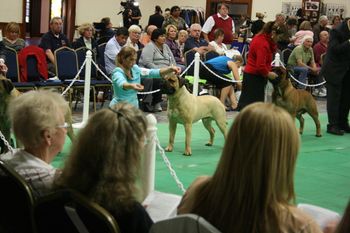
[38,122]
[106,170]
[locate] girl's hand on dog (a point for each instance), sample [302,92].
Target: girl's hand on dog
[272,75]
[3,69]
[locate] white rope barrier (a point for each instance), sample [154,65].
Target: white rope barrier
[168,164]
[278,62]
[189,66]
[75,78]
[218,76]
[99,70]
[7,144]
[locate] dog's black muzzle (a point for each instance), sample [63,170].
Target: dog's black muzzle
[166,88]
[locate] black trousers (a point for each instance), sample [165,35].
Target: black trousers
[253,90]
[151,84]
[204,73]
[338,102]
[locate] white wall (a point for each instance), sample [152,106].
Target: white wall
[11,10]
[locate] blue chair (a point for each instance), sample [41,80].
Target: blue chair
[13,70]
[101,58]
[68,211]
[17,205]
[66,63]
[99,84]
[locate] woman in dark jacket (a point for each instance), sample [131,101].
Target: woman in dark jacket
[86,38]
[157,18]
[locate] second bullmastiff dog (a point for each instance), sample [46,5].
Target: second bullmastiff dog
[185,108]
[295,101]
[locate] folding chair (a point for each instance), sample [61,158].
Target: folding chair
[186,223]
[17,202]
[100,83]
[285,55]
[13,71]
[68,211]
[101,58]
[66,63]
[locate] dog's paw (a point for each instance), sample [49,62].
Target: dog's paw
[169,149]
[187,154]
[209,144]
[318,135]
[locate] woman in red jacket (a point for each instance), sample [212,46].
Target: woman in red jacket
[257,71]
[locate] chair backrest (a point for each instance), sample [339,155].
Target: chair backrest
[81,55]
[101,58]
[285,55]
[139,52]
[103,39]
[66,63]
[32,69]
[186,223]
[210,54]
[189,57]
[17,202]
[12,64]
[68,211]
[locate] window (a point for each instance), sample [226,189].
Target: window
[56,8]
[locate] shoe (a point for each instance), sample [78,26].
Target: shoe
[335,130]
[318,92]
[147,108]
[157,107]
[204,92]
[345,128]
[323,91]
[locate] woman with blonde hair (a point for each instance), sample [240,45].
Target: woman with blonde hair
[12,37]
[181,39]
[171,35]
[86,39]
[104,164]
[252,189]
[305,29]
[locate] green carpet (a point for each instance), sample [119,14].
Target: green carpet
[322,173]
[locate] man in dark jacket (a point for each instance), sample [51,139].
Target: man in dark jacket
[336,70]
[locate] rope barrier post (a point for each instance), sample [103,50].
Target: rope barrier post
[86,91]
[196,73]
[277,60]
[149,158]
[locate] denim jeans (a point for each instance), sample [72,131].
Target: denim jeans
[301,73]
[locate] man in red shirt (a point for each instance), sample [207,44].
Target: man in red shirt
[219,20]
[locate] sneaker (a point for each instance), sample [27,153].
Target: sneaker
[157,107]
[323,91]
[317,92]
[204,92]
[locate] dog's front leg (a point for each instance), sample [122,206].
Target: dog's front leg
[188,132]
[172,131]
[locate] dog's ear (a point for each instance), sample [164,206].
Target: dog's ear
[182,81]
[7,85]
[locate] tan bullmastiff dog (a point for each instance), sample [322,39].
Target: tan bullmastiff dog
[8,91]
[185,108]
[295,101]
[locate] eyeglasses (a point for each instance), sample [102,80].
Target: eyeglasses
[65,125]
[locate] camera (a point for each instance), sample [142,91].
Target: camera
[128,5]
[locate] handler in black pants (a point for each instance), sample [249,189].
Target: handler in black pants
[336,70]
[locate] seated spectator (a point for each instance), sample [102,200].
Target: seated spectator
[134,37]
[107,30]
[146,37]
[38,123]
[305,29]
[171,33]
[127,79]
[195,42]
[86,39]
[258,24]
[157,18]
[12,39]
[252,189]
[223,66]
[181,39]
[292,25]
[104,165]
[217,44]
[302,61]
[157,53]
[113,47]
[320,49]
[319,27]
[52,40]
[336,21]
[175,19]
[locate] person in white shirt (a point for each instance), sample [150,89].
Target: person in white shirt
[38,123]
[219,20]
